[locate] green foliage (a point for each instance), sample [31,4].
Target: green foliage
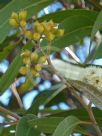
[10,75]
[67,126]
[77,24]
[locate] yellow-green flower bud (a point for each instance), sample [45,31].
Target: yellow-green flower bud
[13,23]
[22,70]
[36,23]
[36,36]
[39,28]
[60,32]
[14,15]
[51,23]
[25,53]
[42,59]
[49,36]
[23,23]
[44,24]
[29,34]
[38,67]
[26,61]
[22,15]
[34,56]
[33,72]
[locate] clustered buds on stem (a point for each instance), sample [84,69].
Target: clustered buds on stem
[18,19]
[31,61]
[39,30]
[46,29]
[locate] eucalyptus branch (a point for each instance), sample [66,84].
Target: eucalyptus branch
[14,90]
[89,110]
[9,123]
[2,109]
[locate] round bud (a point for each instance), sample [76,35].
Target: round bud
[42,59]
[14,15]
[13,23]
[60,32]
[22,70]
[44,24]
[22,15]
[39,28]
[36,23]
[26,61]
[23,23]
[34,56]
[33,72]
[25,53]
[28,34]
[51,23]
[38,67]
[49,36]
[36,36]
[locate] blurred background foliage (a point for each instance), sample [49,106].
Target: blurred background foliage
[47,97]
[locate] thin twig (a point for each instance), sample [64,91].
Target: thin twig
[2,109]
[9,123]
[14,91]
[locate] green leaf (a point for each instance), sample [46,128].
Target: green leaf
[76,23]
[98,53]
[10,75]
[60,16]
[33,6]
[49,124]
[66,127]
[97,25]
[80,113]
[6,51]
[46,125]
[76,28]
[23,128]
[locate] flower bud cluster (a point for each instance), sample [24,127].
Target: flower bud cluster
[40,30]
[18,19]
[31,61]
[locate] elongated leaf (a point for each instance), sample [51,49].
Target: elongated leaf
[23,128]
[80,113]
[6,51]
[97,25]
[60,16]
[98,53]
[46,125]
[49,124]
[32,6]
[66,127]
[10,75]
[76,28]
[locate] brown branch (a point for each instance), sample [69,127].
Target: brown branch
[9,113]
[14,91]
[64,3]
